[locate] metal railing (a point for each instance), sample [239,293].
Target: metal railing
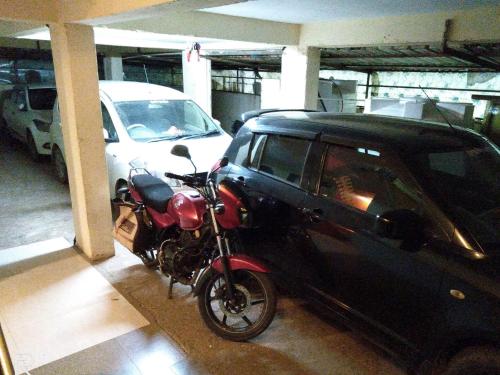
[6,367]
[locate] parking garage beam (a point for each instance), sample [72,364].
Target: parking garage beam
[197,79]
[74,54]
[299,77]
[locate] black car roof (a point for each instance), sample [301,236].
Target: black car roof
[394,132]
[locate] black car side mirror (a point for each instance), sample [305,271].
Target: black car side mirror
[401,224]
[224,162]
[181,151]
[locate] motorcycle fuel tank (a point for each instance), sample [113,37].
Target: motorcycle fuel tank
[188,209]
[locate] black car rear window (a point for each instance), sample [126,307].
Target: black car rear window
[42,99]
[282,157]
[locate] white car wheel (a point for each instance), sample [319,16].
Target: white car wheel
[30,142]
[59,166]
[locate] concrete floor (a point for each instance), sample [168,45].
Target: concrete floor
[34,206]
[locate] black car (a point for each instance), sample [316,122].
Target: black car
[392,224]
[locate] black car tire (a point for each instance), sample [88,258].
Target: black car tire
[475,361]
[59,166]
[30,143]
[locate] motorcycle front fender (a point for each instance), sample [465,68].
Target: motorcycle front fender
[236,262]
[241,262]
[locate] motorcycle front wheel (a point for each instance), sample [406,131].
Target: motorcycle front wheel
[248,314]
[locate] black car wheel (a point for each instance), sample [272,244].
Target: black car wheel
[30,142]
[475,361]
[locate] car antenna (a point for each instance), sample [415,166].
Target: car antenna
[439,111]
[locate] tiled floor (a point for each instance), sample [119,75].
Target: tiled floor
[177,342]
[34,207]
[54,303]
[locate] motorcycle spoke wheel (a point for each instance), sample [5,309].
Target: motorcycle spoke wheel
[248,314]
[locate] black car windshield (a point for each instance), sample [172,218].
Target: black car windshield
[42,99]
[155,120]
[467,181]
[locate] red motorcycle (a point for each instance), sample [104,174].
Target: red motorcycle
[190,236]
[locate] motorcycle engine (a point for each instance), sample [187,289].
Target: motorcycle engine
[182,258]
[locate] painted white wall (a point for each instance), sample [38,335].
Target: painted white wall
[228,106]
[270,93]
[197,80]
[299,77]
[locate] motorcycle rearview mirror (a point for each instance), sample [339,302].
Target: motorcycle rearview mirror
[223,162]
[181,151]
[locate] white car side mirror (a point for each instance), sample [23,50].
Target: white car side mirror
[216,121]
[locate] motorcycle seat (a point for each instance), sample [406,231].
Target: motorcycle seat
[154,192]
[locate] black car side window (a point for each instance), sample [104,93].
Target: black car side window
[361,178]
[284,157]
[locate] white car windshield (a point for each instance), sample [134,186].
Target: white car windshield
[157,120]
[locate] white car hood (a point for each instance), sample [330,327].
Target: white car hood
[204,152]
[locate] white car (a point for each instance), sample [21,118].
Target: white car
[142,122]
[27,115]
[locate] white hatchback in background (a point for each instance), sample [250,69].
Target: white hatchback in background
[27,114]
[142,122]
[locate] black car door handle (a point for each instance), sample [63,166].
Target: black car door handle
[314,214]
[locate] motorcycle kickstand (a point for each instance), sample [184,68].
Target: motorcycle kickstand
[170,287]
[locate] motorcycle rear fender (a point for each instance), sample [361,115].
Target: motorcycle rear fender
[236,262]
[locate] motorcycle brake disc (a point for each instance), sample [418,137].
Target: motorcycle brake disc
[237,314]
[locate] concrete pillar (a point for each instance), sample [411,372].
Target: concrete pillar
[75,64]
[113,68]
[197,80]
[299,77]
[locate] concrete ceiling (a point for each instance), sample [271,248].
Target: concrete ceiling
[304,11]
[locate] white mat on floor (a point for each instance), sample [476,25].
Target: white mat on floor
[53,303]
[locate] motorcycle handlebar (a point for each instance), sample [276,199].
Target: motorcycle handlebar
[176,176]
[187,179]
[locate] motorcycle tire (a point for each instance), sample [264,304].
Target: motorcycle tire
[256,297]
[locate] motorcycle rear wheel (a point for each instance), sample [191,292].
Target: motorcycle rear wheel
[252,311]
